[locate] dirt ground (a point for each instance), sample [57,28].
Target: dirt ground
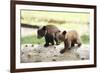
[38,53]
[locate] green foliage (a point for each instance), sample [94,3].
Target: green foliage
[85,39]
[32,40]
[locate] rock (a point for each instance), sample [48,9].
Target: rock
[38,53]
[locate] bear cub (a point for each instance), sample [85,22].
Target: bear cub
[69,38]
[49,32]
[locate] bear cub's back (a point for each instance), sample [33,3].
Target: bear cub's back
[72,34]
[52,29]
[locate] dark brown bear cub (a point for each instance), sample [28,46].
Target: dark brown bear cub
[69,38]
[49,32]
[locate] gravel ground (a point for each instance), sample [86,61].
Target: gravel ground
[38,53]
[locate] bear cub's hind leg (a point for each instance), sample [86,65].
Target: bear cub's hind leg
[79,43]
[57,42]
[52,42]
[46,44]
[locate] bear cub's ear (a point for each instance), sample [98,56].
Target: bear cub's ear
[64,32]
[44,28]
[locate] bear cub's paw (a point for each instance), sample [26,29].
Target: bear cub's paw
[46,45]
[62,51]
[79,44]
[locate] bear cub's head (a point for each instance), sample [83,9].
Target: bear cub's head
[62,35]
[41,32]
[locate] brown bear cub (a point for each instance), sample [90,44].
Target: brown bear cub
[69,38]
[49,32]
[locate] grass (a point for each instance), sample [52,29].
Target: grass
[34,40]
[31,40]
[85,39]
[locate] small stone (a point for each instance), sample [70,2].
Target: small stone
[39,52]
[54,47]
[32,45]
[38,61]
[82,58]
[25,45]
[29,56]
[55,55]
[53,59]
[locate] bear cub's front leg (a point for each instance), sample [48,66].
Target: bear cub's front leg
[49,40]
[46,44]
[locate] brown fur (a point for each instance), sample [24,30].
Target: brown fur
[69,38]
[49,32]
